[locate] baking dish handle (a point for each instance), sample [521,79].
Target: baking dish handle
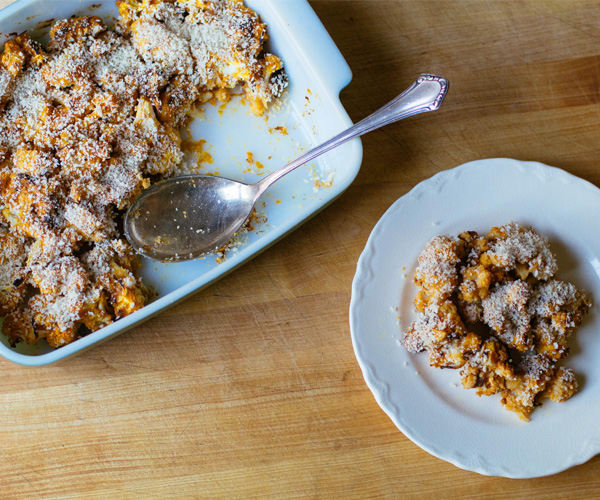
[330,66]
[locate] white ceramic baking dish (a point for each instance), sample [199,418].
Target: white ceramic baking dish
[311,113]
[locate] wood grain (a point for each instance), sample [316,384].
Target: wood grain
[251,388]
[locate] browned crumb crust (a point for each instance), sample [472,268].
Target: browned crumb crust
[503,281]
[85,125]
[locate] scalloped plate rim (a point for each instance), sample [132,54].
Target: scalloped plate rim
[589,448]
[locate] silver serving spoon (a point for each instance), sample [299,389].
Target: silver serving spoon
[185,217]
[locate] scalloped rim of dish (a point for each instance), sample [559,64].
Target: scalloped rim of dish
[381,388]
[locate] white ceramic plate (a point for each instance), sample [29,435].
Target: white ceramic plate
[429,405]
[311,113]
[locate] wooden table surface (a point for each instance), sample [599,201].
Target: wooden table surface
[251,388]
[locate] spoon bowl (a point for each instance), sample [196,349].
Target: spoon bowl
[185,217]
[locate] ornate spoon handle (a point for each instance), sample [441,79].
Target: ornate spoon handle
[425,94]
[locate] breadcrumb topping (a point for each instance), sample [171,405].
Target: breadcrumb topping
[503,282]
[89,122]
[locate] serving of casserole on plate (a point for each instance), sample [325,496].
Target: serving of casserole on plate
[69,293]
[429,405]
